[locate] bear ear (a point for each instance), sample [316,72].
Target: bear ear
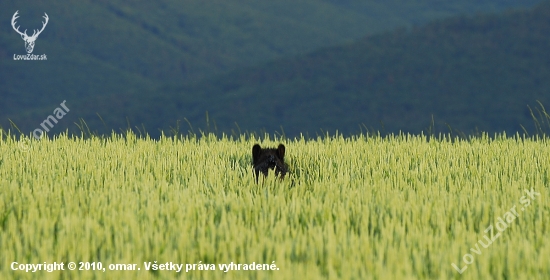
[256,152]
[281,151]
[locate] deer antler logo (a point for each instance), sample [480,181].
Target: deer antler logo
[29,40]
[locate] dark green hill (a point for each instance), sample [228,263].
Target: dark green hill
[477,73]
[111,57]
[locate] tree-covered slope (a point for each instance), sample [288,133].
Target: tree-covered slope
[469,73]
[113,56]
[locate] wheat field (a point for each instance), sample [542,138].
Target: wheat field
[362,207]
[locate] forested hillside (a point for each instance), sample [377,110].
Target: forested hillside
[154,63]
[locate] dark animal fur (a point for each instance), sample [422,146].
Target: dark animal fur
[269,158]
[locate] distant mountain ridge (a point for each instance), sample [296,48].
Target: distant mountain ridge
[467,73]
[463,74]
[111,57]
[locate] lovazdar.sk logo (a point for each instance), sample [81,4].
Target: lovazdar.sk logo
[29,40]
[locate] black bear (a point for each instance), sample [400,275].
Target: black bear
[269,158]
